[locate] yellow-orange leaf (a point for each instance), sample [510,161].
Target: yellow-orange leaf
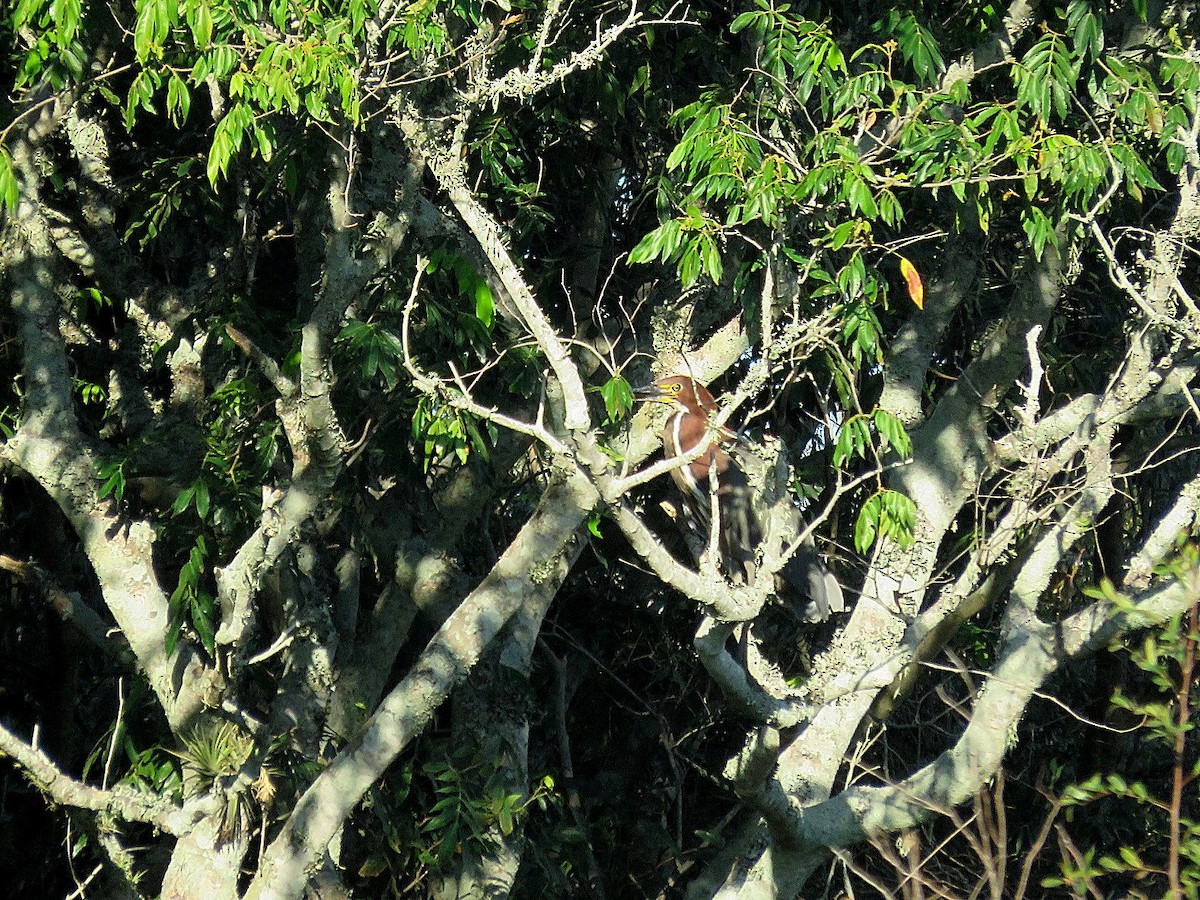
[912,278]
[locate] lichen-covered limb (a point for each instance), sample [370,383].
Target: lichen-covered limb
[310,422]
[870,651]
[50,447]
[528,574]
[121,802]
[1033,653]
[525,83]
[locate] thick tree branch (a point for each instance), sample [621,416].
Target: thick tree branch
[1030,656]
[310,421]
[69,607]
[527,575]
[121,802]
[913,348]
[52,449]
[729,674]
[577,419]
[949,456]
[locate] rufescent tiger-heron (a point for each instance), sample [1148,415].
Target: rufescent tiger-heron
[739,510]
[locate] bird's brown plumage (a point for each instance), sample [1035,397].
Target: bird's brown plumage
[685,432]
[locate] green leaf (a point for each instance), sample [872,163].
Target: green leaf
[1046,76]
[744,20]
[618,398]
[25,12]
[375,864]
[891,429]
[66,15]
[852,440]
[689,265]
[10,193]
[867,526]
[506,820]
[841,234]
[227,140]
[1038,229]
[151,28]
[264,136]
[315,104]
[183,500]
[202,25]
[202,499]
[1137,172]
[485,303]
[661,243]
[888,514]
[179,99]
[918,46]
[218,156]
[711,257]
[112,474]
[201,614]
[1131,858]
[897,517]
[1084,25]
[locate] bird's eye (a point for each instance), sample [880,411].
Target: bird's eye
[673,388]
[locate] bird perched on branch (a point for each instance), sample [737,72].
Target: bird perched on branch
[721,457]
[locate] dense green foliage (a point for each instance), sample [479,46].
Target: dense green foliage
[297,292]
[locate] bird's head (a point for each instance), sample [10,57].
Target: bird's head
[682,393]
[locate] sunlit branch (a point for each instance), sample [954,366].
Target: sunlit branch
[122,802]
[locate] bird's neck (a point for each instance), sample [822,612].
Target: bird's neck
[683,435]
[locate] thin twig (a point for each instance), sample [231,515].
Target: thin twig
[118,727]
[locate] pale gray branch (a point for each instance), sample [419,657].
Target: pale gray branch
[122,802]
[1027,660]
[527,574]
[526,83]
[51,448]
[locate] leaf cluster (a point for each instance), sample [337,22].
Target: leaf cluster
[433,814]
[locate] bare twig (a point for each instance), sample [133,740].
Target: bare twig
[118,728]
[462,398]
